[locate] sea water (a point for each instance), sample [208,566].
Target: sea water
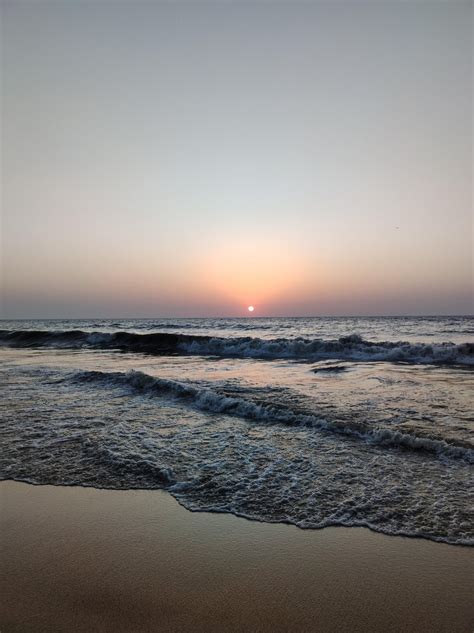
[311,421]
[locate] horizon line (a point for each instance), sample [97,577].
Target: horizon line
[320,316]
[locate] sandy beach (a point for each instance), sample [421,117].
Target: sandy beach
[78,559]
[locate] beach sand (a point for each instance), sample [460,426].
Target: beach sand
[78,559]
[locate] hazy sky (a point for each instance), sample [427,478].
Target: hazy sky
[189,159]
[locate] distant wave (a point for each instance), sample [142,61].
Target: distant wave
[352,347]
[212,401]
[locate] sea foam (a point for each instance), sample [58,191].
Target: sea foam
[212,401]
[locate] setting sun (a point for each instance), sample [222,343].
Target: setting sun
[250,308]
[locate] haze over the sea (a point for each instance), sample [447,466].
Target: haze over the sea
[191,159]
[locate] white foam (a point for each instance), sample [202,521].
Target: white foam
[208,400]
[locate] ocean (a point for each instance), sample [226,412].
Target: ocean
[310,421]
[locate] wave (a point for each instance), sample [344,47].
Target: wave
[212,401]
[352,347]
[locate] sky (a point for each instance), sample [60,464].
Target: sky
[192,158]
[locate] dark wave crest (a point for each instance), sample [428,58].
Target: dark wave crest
[352,347]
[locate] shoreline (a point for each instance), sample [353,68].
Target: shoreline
[252,519]
[82,559]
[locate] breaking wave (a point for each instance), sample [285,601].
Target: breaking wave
[208,400]
[352,347]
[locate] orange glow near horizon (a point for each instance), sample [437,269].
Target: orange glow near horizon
[252,271]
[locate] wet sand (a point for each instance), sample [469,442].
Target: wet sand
[76,559]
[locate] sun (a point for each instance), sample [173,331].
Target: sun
[250,308]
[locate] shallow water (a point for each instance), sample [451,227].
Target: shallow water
[310,421]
